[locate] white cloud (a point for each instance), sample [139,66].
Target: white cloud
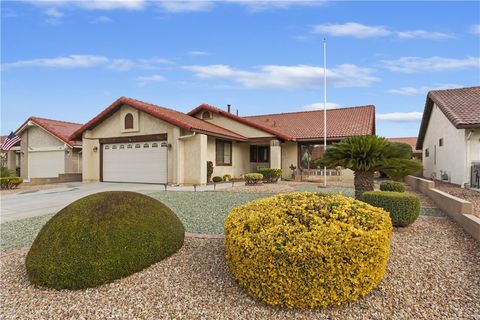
[102,19]
[185,6]
[88,61]
[416,64]
[71,61]
[198,53]
[261,5]
[278,76]
[400,116]
[144,80]
[93,4]
[423,34]
[54,13]
[420,91]
[351,29]
[475,29]
[319,106]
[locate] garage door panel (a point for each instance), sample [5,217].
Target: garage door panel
[46,164]
[138,162]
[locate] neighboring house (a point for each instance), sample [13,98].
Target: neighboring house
[412,141]
[10,158]
[46,150]
[450,135]
[134,141]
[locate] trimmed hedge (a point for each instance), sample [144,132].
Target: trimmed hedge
[10,182]
[103,237]
[217,179]
[270,175]
[307,249]
[392,186]
[404,208]
[252,178]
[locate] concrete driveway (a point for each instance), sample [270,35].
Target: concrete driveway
[37,203]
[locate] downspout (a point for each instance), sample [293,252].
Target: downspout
[187,136]
[467,158]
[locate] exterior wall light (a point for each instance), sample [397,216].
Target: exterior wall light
[95,149]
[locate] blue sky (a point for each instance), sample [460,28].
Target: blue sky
[69,60]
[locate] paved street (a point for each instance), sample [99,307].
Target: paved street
[36,203]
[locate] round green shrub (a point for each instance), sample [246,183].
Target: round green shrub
[253,178]
[227,177]
[404,208]
[392,186]
[217,179]
[307,249]
[103,237]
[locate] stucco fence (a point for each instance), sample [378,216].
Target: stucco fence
[458,209]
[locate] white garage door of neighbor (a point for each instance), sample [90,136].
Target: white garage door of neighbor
[46,164]
[143,162]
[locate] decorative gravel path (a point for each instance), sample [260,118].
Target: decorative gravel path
[434,273]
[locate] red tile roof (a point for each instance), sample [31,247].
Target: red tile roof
[412,141]
[308,125]
[461,106]
[60,129]
[176,118]
[243,120]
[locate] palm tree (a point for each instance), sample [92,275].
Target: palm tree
[367,154]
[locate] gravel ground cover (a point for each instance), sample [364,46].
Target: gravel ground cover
[20,233]
[433,273]
[467,194]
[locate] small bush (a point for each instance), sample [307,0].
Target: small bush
[5,172]
[217,179]
[209,170]
[227,177]
[392,186]
[234,179]
[103,237]
[404,208]
[307,249]
[252,178]
[10,182]
[270,175]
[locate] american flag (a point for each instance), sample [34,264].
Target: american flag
[10,141]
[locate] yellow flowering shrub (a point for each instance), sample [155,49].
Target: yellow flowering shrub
[307,249]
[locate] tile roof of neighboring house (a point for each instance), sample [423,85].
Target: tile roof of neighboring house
[60,129]
[243,120]
[176,118]
[2,138]
[412,141]
[461,106]
[308,125]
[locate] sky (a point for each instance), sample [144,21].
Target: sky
[68,60]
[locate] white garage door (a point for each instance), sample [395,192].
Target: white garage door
[46,164]
[143,162]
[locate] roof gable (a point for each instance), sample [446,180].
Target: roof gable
[242,120]
[461,107]
[171,116]
[62,130]
[308,125]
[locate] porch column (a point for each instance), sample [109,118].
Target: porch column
[275,154]
[11,160]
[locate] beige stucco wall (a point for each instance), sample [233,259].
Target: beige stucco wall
[240,159]
[195,159]
[451,157]
[113,127]
[235,126]
[35,138]
[289,157]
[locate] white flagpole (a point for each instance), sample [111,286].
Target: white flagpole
[324,107]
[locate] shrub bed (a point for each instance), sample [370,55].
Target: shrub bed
[307,249]
[404,208]
[217,179]
[227,177]
[392,186]
[103,237]
[252,178]
[10,182]
[270,175]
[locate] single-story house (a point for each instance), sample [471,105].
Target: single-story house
[47,154]
[450,136]
[10,158]
[412,142]
[135,141]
